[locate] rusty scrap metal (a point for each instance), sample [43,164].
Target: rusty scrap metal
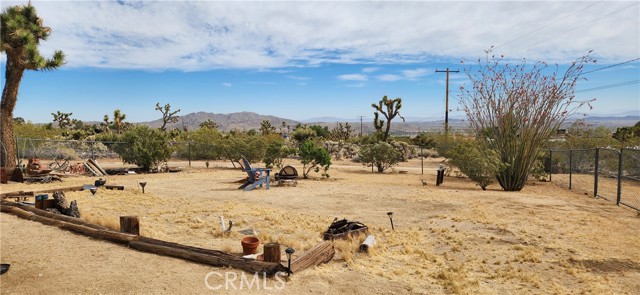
[343,229]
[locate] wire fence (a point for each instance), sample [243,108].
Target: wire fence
[52,152]
[609,174]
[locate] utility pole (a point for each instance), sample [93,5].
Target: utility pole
[360,124]
[446,112]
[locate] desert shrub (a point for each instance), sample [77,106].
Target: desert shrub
[424,140]
[380,154]
[252,147]
[35,131]
[478,163]
[314,157]
[341,149]
[444,143]
[538,170]
[276,151]
[302,134]
[206,144]
[403,149]
[145,147]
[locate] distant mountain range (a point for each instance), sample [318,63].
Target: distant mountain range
[249,120]
[226,122]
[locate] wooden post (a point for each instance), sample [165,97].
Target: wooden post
[130,224]
[272,252]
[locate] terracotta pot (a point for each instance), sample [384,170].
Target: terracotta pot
[249,245]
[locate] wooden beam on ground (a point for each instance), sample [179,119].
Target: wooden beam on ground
[222,260]
[321,253]
[95,163]
[47,214]
[90,169]
[200,255]
[76,225]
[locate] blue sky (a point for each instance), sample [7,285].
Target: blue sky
[300,60]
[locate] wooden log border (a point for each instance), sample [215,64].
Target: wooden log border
[149,245]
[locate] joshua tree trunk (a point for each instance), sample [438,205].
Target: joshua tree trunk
[9,96]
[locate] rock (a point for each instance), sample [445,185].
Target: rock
[73,210]
[61,201]
[63,207]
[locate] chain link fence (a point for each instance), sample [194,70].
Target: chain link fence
[613,175]
[54,153]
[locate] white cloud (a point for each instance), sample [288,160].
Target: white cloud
[227,84]
[415,73]
[353,77]
[205,35]
[370,69]
[389,77]
[356,85]
[299,78]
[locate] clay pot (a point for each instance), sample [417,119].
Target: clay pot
[249,245]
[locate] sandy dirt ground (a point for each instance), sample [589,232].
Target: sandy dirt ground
[454,238]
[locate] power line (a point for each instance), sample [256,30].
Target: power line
[611,66]
[548,24]
[608,86]
[576,27]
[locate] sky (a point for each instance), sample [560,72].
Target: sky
[301,59]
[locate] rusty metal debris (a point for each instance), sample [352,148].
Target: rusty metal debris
[343,229]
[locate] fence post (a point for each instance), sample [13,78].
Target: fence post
[619,177]
[17,150]
[550,164]
[570,168]
[189,143]
[422,160]
[93,157]
[595,182]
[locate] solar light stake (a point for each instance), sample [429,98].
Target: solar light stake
[143,184]
[93,191]
[391,219]
[289,251]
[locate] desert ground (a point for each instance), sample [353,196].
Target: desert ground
[454,238]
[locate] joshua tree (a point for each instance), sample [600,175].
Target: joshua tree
[167,115]
[63,119]
[209,124]
[389,109]
[105,123]
[266,128]
[118,120]
[20,33]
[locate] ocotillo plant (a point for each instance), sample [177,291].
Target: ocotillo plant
[517,107]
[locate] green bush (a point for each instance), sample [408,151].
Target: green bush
[313,157]
[145,147]
[252,147]
[302,134]
[380,154]
[275,153]
[478,162]
[206,144]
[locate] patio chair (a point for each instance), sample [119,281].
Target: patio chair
[256,176]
